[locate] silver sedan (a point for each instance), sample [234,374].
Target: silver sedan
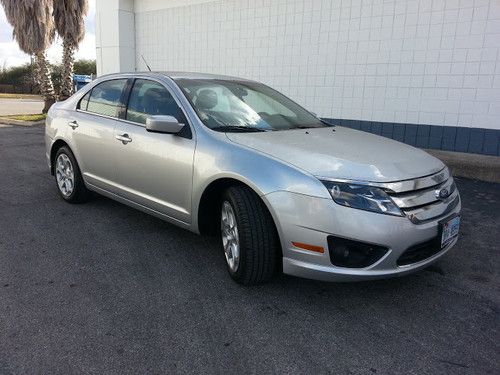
[279,186]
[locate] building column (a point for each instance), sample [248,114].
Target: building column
[115,36]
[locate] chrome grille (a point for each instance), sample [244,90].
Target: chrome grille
[423,203]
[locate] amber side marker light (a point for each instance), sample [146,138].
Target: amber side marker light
[304,246]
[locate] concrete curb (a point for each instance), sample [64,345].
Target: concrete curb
[9,121]
[479,167]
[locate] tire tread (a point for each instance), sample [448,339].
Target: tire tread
[258,237]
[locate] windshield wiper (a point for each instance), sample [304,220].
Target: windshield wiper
[236,128]
[324,123]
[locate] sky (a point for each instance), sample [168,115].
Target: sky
[11,55]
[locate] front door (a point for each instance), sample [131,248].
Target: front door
[153,169]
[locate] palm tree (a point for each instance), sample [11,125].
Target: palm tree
[68,18]
[34,32]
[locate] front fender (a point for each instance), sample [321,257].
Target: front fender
[216,158]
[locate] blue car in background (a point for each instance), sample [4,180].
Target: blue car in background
[80,80]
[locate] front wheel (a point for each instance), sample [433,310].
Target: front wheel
[249,237]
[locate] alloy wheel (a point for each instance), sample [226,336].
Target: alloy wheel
[65,175]
[230,238]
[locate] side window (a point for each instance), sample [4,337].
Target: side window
[105,97]
[84,102]
[149,98]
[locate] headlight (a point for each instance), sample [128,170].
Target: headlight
[362,197]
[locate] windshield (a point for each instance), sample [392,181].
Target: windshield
[235,106]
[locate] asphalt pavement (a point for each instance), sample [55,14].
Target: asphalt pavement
[20,106]
[100,288]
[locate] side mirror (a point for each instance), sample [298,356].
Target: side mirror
[163,124]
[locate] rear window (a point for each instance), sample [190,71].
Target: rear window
[105,98]
[84,102]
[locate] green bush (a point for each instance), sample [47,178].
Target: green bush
[19,78]
[86,67]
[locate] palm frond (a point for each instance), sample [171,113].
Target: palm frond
[32,23]
[69,20]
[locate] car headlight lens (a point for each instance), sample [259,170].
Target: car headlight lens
[362,197]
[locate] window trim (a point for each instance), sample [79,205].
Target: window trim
[126,98]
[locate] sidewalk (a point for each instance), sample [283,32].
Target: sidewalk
[20,106]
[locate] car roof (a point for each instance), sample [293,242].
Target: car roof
[176,75]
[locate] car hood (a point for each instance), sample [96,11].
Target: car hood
[342,153]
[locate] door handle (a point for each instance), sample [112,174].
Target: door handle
[73,124]
[123,138]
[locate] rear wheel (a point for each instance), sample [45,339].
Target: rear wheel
[248,235]
[68,177]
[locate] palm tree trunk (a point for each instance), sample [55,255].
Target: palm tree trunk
[45,81]
[67,70]
[36,77]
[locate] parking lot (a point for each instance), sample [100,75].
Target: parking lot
[103,288]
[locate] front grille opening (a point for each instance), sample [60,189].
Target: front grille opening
[420,190]
[416,220]
[353,254]
[419,252]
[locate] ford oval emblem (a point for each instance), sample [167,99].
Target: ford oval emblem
[442,194]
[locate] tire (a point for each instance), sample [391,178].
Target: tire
[256,236]
[79,192]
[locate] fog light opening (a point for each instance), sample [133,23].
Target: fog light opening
[353,254]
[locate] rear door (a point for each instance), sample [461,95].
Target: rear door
[92,130]
[153,169]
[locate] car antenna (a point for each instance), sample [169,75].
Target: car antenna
[145,62]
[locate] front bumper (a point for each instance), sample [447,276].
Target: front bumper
[310,220]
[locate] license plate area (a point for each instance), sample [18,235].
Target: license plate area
[449,230]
